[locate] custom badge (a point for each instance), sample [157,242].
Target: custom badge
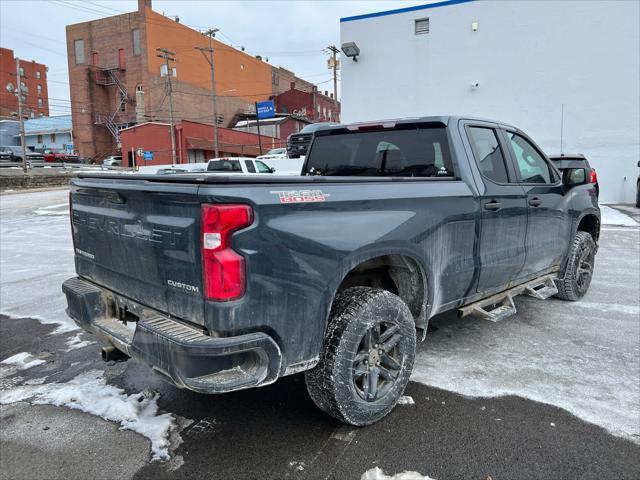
[300,196]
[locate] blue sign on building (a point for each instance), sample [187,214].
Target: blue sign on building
[148,155]
[265,109]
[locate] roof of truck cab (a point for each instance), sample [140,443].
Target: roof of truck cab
[445,120]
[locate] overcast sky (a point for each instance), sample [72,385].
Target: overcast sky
[291,33]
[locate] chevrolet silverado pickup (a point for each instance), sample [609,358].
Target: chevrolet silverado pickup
[221,283]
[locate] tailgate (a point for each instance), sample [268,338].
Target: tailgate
[141,240]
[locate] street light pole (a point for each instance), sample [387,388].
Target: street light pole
[166,55]
[19,95]
[212,33]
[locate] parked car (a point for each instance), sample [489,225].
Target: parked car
[15,154]
[230,282]
[59,156]
[568,163]
[298,143]
[274,153]
[235,165]
[112,161]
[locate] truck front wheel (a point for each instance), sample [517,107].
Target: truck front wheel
[577,276]
[367,356]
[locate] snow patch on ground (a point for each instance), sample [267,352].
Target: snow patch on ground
[22,362]
[406,400]
[377,473]
[611,216]
[90,393]
[75,343]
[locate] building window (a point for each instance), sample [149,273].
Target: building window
[163,70]
[39,89]
[123,102]
[95,59]
[37,75]
[53,138]
[33,115]
[21,72]
[139,88]
[422,26]
[79,51]
[136,41]
[121,61]
[174,72]
[39,139]
[40,102]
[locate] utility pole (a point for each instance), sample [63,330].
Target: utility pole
[166,55]
[334,52]
[212,33]
[19,95]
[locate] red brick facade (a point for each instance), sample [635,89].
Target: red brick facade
[108,66]
[310,104]
[194,143]
[36,100]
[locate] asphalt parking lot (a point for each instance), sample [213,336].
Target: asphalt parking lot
[553,392]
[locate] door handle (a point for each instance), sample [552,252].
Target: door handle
[535,202]
[493,205]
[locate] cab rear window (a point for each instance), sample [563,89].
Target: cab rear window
[409,152]
[224,166]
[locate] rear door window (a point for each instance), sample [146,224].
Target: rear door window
[532,166]
[407,152]
[488,154]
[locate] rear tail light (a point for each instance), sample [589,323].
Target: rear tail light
[223,269]
[593,176]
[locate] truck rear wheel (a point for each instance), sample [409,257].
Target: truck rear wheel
[577,276]
[367,356]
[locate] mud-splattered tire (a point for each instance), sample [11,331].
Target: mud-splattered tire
[577,276]
[367,356]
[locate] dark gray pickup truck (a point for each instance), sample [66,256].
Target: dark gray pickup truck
[221,283]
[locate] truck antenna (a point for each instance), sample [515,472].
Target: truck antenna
[561,127]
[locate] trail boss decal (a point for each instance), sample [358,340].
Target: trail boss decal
[300,196]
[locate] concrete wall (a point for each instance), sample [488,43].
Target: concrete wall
[528,58]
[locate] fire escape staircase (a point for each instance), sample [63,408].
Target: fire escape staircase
[108,77]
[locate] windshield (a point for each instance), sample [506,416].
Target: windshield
[226,165]
[415,152]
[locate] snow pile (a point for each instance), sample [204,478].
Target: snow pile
[611,216]
[406,400]
[75,343]
[90,393]
[19,361]
[377,474]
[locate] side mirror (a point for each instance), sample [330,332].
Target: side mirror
[574,176]
[639,163]
[272,170]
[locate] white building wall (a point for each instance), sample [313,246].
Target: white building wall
[528,58]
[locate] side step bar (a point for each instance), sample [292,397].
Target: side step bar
[500,306]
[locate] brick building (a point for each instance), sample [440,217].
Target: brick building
[194,143]
[117,79]
[35,96]
[312,104]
